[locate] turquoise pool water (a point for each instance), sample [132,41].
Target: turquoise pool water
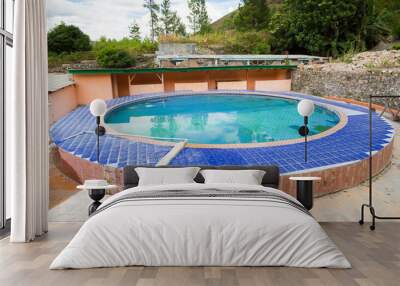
[217,119]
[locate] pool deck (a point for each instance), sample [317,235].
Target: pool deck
[74,134]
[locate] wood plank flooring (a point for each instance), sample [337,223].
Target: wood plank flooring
[375,257]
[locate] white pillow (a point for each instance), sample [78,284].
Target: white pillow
[247,177]
[166,176]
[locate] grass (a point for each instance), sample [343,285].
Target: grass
[228,42]
[347,57]
[205,40]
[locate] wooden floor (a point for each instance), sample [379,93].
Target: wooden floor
[375,257]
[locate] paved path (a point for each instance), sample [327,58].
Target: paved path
[345,205]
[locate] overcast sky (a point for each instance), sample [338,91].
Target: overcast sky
[111,18]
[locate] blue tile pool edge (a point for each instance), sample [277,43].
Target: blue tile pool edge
[149,154]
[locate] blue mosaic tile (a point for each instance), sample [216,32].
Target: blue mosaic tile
[90,147]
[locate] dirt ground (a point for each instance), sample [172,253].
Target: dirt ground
[61,186]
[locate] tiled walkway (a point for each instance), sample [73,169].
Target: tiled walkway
[74,134]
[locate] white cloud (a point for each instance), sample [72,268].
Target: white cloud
[112,18]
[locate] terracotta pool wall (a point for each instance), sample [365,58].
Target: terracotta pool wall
[333,178]
[61,102]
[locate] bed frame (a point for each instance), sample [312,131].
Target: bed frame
[271,177]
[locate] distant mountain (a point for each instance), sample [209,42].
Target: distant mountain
[219,24]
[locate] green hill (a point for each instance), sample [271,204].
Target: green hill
[220,23]
[223,23]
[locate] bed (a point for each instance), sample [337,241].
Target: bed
[198,224]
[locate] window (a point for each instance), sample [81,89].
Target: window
[6,43]
[9,15]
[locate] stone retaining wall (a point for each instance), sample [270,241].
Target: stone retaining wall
[358,84]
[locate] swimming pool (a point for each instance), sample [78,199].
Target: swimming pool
[216,119]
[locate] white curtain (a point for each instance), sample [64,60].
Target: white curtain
[27,127]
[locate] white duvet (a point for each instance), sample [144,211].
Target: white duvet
[203,232]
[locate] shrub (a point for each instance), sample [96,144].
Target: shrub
[132,46]
[347,57]
[124,51]
[396,46]
[114,58]
[56,60]
[248,43]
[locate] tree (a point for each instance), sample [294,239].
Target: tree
[134,31]
[204,20]
[166,16]
[194,15]
[198,17]
[252,15]
[375,28]
[67,39]
[114,58]
[178,28]
[389,14]
[170,21]
[323,27]
[154,9]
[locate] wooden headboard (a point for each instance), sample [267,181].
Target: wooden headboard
[271,178]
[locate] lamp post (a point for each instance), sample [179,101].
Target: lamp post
[305,109]
[98,108]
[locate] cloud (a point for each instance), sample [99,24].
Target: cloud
[112,18]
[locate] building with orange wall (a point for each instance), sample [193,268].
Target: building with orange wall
[112,83]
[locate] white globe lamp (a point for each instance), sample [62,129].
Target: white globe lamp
[98,108]
[305,108]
